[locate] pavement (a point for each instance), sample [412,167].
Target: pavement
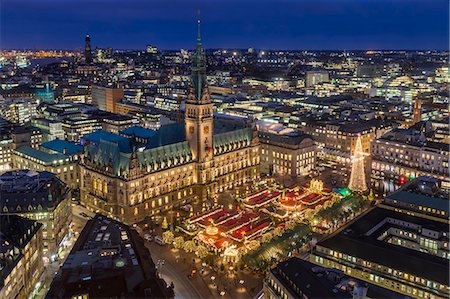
[175,266]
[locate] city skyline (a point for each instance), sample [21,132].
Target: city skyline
[328,25]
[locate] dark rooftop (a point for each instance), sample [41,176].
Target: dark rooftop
[109,259]
[319,282]
[355,242]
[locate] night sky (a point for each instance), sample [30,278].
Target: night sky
[263,24]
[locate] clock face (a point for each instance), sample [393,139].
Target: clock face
[206,130]
[191,129]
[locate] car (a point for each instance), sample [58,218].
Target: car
[159,240]
[148,237]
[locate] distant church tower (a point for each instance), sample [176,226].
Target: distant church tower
[199,116]
[87,49]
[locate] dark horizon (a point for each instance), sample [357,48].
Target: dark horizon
[324,25]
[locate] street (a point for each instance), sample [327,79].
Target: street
[178,265]
[50,270]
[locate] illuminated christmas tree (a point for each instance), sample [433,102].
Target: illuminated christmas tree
[164,224]
[358,176]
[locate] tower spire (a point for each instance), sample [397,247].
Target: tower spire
[199,39]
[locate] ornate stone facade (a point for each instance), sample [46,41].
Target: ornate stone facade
[128,180]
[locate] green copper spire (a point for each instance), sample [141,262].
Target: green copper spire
[199,67]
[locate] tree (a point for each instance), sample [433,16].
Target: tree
[167,237]
[253,244]
[164,224]
[178,242]
[277,232]
[357,176]
[189,246]
[290,224]
[265,238]
[309,214]
[202,251]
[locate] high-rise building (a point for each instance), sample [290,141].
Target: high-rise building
[106,97]
[87,49]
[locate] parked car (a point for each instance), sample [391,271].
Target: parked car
[159,240]
[148,237]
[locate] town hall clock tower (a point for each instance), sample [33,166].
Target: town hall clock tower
[199,117]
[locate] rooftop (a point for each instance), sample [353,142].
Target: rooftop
[138,132]
[319,282]
[42,156]
[109,259]
[63,147]
[355,241]
[26,190]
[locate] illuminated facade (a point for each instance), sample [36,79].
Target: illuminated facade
[43,198]
[404,154]
[336,140]
[20,257]
[19,110]
[292,154]
[64,166]
[106,97]
[127,179]
[401,252]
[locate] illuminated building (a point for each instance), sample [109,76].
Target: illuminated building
[336,140]
[109,259]
[404,154]
[151,50]
[38,196]
[26,136]
[105,98]
[87,49]
[316,77]
[297,278]
[292,154]
[20,256]
[117,122]
[125,178]
[14,138]
[6,148]
[51,129]
[77,126]
[18,111]
[393,249]
[417,111]
[52,157]
[424,197]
